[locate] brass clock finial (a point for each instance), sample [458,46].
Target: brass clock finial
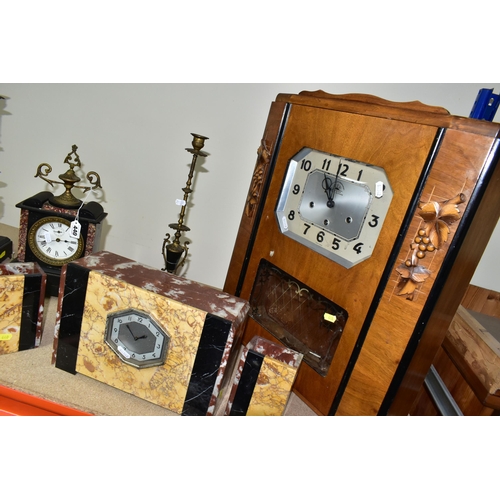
[69,180]
[174,253]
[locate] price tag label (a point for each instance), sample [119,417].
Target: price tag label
[180,202]
[74,229]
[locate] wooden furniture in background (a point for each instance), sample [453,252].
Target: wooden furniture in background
[468,361]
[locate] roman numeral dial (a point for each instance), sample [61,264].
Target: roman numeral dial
[51,241]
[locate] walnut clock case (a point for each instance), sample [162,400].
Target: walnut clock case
[44,230]
[363,225]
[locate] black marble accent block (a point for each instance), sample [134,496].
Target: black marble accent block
[71,303]
[249,375]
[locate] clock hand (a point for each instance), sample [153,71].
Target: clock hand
[329,191]
[132,333]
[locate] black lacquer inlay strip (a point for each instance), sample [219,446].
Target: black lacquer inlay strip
[246,385]
[29,312]
[75,290]
[208,359]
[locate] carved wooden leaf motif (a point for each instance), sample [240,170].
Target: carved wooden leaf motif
[263,158]
[438,217]
[411,276]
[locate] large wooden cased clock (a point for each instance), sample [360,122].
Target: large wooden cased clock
[45,236]
[364,223]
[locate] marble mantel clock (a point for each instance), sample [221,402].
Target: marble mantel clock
[363,225]
[164,339]
[47,234]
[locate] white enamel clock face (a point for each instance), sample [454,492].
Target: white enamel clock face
[136,338]
[333,205]
[51,241]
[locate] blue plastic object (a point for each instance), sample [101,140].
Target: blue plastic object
[486,105]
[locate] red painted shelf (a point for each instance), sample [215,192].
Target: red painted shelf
[17,403]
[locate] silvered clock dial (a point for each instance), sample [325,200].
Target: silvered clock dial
[136,338]
[333,205]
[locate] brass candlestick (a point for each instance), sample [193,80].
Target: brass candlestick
[174,253]
[68,179]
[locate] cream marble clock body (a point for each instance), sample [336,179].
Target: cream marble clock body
[162,338]
[363,225]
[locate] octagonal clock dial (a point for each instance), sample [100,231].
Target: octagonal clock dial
[136,338]
[333,205]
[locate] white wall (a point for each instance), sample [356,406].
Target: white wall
[135,135]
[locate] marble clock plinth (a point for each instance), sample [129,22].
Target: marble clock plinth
[22,294]
[263,380]
[204,326]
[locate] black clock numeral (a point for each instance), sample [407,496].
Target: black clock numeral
[358,247]
[374,221]
[343,169]
[335,244]
[291,215]
[360,174]
[326,164]
[307,228]
[320,236]
[306,165]
[296,189]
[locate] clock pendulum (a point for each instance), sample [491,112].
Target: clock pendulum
[174,253]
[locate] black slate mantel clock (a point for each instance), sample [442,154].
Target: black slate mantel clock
[47,234]
[363,225]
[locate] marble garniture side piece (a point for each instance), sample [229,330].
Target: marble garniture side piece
[263,379]
[22,295]
[205,326]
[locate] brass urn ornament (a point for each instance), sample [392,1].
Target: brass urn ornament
[174,253]
[69,180]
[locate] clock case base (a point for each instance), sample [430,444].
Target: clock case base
[27,282]
[391,337]
[37,207]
